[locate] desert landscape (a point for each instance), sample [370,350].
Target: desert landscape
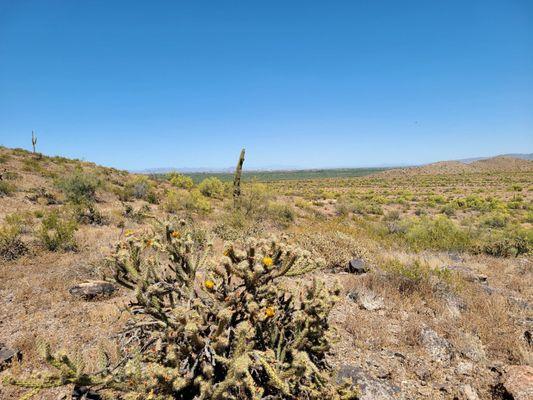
[418,282]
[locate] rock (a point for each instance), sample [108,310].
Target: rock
[366,299]
[7,356]
[464,368]
[470,393]
[518,382]
[357,266]
[84,393]
[438,348]
[93,289]
[369,388]
[471,347]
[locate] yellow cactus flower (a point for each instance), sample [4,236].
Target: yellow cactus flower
[270,312]
[209,284]
[175,234]
[267,261]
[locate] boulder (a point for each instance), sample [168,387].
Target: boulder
[93,289]
[357,266]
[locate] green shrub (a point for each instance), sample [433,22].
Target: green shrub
[439,234]
[6,188]
[281,213]
[510,242]
[11,245]
[212,187]
[180,181]
[495,220]
[79,187]
[57,231]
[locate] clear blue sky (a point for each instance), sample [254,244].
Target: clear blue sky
[143,84]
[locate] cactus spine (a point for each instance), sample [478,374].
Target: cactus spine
[33,140]
[237,180]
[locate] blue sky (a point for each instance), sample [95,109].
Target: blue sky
[298,83]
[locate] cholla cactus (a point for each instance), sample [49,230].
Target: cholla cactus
[223,330]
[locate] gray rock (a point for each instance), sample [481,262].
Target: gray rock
[464,368]
[7,355]
[93,289]
[437,347]
[471,347]
[357,266]
[366,299]
[369,387]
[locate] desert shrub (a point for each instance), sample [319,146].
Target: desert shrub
[31,164]
[11,244]
[88,214]
[254,199]
[439,234]
[336,248]
[172,202]
[4,158]
[281,213]
[229,331]
[416,276]
[510,242]
[393,215]
[180,181]
[6,188]
[212,187]
[495,220]
[448,209]
[79,187]
[195,201]
[57,231]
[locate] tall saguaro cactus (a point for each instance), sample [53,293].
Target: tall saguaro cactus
[33,140]
[237,180]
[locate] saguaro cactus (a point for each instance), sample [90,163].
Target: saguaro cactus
[33,140]
[237,180]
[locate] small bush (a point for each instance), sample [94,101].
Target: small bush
[281,213]
[439,234]
[57,231]
[212,187]
[79,188]
[181,181]
[495,220]
[11,245]
[6,188]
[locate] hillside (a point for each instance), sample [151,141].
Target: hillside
[498,164]
[433,270]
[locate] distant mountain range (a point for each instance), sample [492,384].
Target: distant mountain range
[186,170]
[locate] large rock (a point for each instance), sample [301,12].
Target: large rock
[368,388]
[93,289]
[518,382]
